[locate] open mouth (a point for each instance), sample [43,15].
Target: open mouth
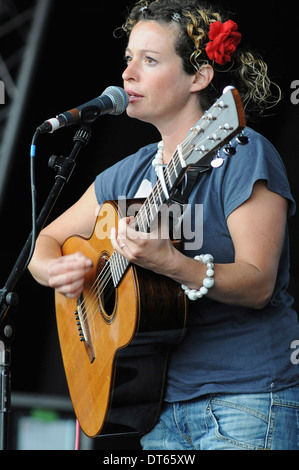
[134,96]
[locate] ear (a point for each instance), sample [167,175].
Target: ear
[202,78]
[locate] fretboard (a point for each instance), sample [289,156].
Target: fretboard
[148,213]
[168,181]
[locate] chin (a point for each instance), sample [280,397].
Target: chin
[133,113]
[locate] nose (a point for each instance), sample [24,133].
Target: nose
[130,72]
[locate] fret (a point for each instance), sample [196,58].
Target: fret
[145,221]
[112,268]
[180,156]
[168,179]
[161,176]
[175,170]
[154,208]
[117,268]
[118,265]
[141,219]
[172,171]
[160,192]
[147,214]
[124,265]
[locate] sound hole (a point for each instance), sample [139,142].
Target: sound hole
[107,294]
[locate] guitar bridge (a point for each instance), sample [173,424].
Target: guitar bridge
[83,329]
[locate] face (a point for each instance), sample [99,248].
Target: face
[160,91]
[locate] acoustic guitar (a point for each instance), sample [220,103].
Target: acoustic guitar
[116,337]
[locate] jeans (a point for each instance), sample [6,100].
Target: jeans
[229,422]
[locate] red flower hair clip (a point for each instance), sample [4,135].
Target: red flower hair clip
[224,39]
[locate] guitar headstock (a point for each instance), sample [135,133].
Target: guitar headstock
[216,127]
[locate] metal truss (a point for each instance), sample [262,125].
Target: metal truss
[15,20]
[22,26]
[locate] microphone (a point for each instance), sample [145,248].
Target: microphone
[114,100]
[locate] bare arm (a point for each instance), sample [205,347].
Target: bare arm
[257,229]
[66,273]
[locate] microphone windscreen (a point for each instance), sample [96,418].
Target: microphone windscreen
[119,97]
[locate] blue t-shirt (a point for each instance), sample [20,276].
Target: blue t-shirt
[227,349]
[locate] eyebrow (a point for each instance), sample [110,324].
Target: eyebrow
[144,51]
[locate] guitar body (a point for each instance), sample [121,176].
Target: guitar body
[116,369]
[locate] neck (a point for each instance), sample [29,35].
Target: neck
[175,133]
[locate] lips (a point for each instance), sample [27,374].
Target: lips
[134,97]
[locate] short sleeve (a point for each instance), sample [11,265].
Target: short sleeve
[258,160]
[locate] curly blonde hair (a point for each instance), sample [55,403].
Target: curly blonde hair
[247,71]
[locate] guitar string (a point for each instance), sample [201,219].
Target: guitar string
[108,275]
[105,275]
[104,278]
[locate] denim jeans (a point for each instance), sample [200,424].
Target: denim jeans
[229,422]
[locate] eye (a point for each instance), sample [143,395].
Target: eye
[150,60]
[127,59]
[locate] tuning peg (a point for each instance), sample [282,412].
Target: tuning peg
[229,150]
[217,161]
[242,139]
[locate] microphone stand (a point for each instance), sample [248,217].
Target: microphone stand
[8,298]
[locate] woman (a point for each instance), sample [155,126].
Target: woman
[231,383]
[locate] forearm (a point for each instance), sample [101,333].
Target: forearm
[257,230]
[46,250]
[238,283]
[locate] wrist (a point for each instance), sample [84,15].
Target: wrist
[208,281]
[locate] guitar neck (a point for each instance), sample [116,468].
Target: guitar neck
[169,179]
[147,215]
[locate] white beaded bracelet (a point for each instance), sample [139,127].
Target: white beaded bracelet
[208,281]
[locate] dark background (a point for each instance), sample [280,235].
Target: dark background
[79,59]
